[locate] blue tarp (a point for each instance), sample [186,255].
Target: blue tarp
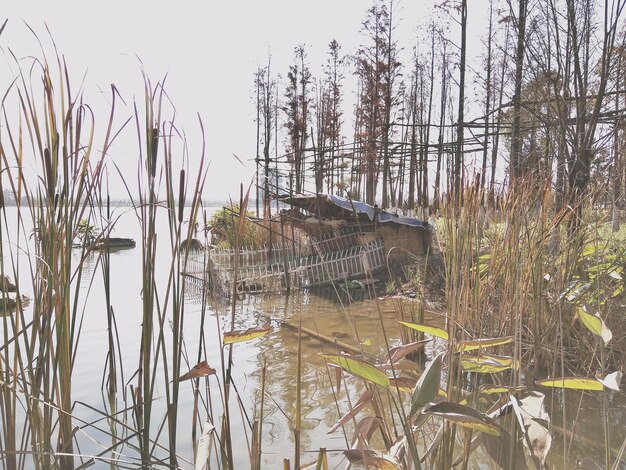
[372,212]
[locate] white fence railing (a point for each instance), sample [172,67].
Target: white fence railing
[262,271]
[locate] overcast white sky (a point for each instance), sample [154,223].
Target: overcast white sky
[210,51]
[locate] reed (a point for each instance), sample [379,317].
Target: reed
[52,129]
[516,279]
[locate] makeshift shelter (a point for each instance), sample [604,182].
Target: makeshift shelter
[337,219]
[345,240]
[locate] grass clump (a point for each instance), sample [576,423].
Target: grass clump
[526,274]
[227,226]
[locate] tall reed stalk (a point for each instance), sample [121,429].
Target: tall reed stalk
[55,171]
[49,128]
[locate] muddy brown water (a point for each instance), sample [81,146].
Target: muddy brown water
[374,322]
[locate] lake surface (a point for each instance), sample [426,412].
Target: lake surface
[373,322]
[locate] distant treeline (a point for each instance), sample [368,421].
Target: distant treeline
[8,199]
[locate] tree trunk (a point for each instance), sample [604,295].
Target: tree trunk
[516,144]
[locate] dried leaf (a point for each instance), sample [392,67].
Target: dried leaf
[404,384]
[616,274]
[201,369]
[202,452]
[434,445]
[465,416]
[400,352]
[537,438]
[358,406]
[612,381]
[402,364]
[371,458]
[365,429]
[499,449]
[338,375]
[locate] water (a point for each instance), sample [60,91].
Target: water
[373,322]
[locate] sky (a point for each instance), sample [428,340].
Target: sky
[209,52]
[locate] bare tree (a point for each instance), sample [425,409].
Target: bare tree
[296,108]
[265,86]
[520,24]
[378,70]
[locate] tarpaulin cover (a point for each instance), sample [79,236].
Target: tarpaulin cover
[314,204]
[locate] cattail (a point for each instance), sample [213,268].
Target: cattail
[181,196]
[155,150]
[48,162]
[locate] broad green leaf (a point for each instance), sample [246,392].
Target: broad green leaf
[487,363]
[598,268]
[482,367]
[618,291]
[359,367]
[427,385]
[465,416]
[594,324]
[495,389]
[474,344]
[590,249]
[573,383]
[245,335]
[431,330]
